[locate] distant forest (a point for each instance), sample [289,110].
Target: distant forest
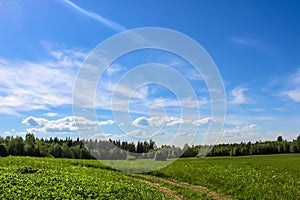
[115,149]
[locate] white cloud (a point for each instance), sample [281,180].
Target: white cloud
[174,121]
[50,114]
[206,120]
[294,95]
[193,75]
[97,17]
[26,85]
[238,95]
[108,122]
[295,78]
[138,105]
[184,103]
[63,125]
[157,121]
[137,133]
[117,96]
[141,121]
[141,93]
[251,126]
[67,57]
[101,136]
[34,121]
[114,68]
[240,134]
[235,134]
[168,121]
[292,90]
[231,132]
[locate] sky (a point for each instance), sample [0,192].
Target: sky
[254,44]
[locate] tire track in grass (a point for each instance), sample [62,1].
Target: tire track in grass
[160,187]
[197,188]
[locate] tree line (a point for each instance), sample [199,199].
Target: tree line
[258,148]
[69,148]
[116,149]
[246,148]
[53,147]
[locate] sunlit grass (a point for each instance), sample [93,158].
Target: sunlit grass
[46,178]
[248,177]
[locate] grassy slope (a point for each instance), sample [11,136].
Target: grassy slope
[44,178]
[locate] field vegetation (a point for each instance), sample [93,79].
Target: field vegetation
[247,177]
[49,178]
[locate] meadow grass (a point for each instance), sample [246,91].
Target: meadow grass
[248,177]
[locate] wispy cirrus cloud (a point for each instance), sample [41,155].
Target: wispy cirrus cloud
[102,20]
[293,91]
[294,95]
[245,41]
[287,86]
[114,68]
[119,97]
[30,85]
[253,43]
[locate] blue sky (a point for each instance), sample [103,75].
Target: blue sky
[255,45]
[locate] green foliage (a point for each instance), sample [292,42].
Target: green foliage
[117,150]
[191,151]
[3,151]
[30,139]
[66,151]
[68,148]
[75,150]
[56,150]
[258,148]
[279,139]
[16,146]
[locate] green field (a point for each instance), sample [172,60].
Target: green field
[249,177]
[48,178]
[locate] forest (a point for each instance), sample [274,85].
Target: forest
[116,149]
[69,148]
